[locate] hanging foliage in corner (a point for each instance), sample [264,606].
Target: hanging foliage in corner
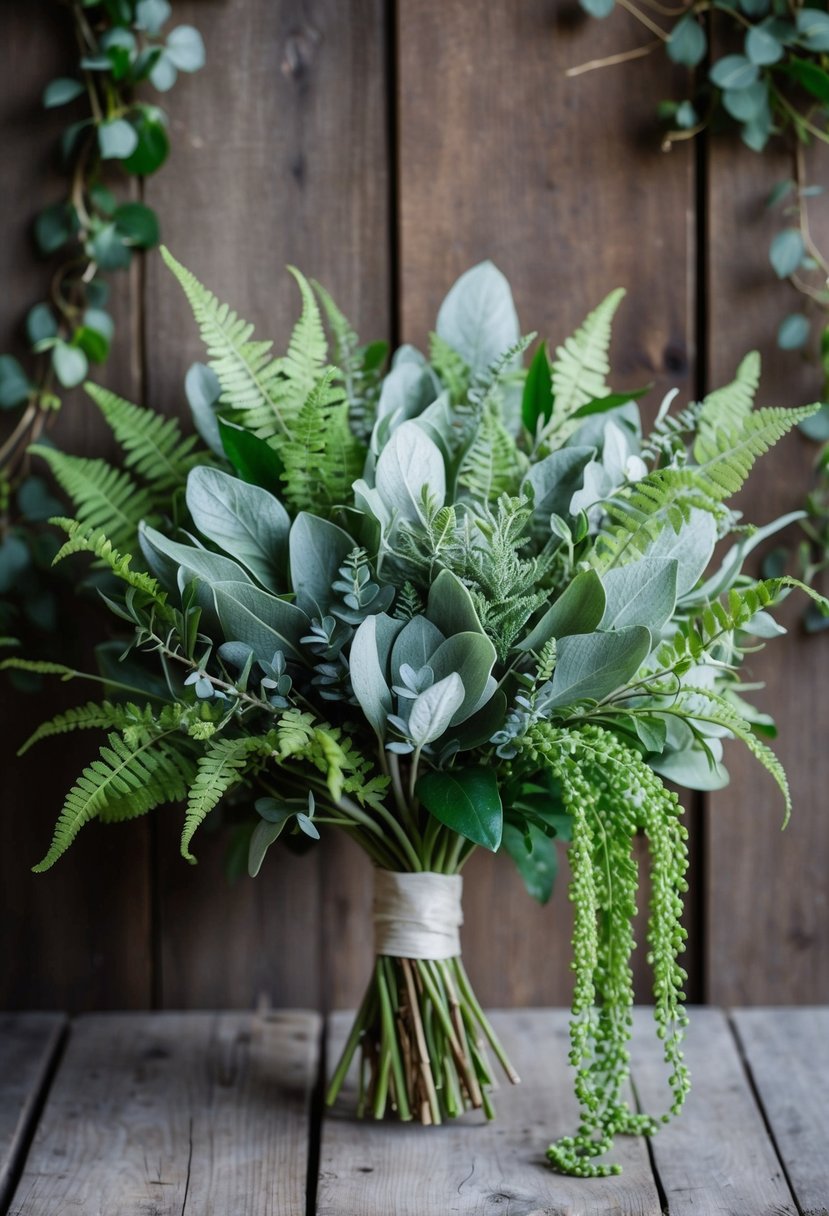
[112,131]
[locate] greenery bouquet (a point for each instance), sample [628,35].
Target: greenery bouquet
[459,605]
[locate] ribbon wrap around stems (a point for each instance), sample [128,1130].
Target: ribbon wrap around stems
[417,915]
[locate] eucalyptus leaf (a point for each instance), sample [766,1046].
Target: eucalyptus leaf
[472,656]
[591,666]
[450,605]
[165,557]
[578,609]
[202,389]
[691,547]
[734,72]
[786,252]
[262,837]
[415,644]
[687,43]
[554,480]
[410,462]
[793,332]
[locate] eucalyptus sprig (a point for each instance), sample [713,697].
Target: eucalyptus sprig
[86,234]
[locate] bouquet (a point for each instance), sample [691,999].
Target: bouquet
[458,605]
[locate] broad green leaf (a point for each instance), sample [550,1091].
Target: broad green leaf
[578,609]
[537,398]
[762,47]
[260,620]
[640,593]
[687,43]
[692,769]
[537,865]
[317,549]
[746,104]
[254,459]
[467,801]
[809,76]
[54,226]
[59,92]
[70,364]
[202,389]
[15,385]
[409,462]
[165,557]
[555,480]
[786,252]
[450,606]
[137,224]
[40,324]
[793,333]
[185,47]
[369,662]
[153,143]
[150,15]
[246,521]
[472,657]
[117,139]
[691,547]
[733,72]
[598,8]
[478,317]
[163,73]
[813,28]
[262,837]
[590,666]
[478,729]
[433,709]
[108,248]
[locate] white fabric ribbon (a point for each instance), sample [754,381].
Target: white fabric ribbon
[417,915]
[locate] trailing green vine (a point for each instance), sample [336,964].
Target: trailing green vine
[86,235]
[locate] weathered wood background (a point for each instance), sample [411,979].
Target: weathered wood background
[384,148]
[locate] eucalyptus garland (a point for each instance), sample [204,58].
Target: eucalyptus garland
[760,67]
[85,235]
[458,604]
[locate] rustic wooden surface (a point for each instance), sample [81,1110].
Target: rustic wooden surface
[787,1054]
[29,1044]
[210,1114]
[176,1113]
[384,148]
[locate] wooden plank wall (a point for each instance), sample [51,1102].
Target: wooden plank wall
[384,148]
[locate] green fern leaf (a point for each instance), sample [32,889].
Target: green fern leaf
[154,447]
[492,465]
[122,783]
[94,541]
[92,716]
[105,498]
[581,364]
[729,407]
[725,456]
[224,765]
[322,458]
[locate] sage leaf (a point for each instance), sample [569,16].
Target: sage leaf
[246,521]
[450,606]
[368,662]
[165,557]
[409,463]
[640,593]
[478,317]
[433,709]
[472,656]
[262,621]
[579,609]
[555,480]
[317,550]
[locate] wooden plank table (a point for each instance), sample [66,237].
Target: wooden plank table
[217,1114]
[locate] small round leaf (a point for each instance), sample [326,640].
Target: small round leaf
[687,43]
[786,252]
[61,91]
[734,72]
[793,332]
[70,364]
[762,47]
[117,139]
[14,383]
[185,48]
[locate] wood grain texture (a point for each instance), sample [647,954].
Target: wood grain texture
[768,903]
[280,157]
[176,1114]
[787,1054]
[470,1166]
[501,156]
[717,1156]
[29,1043]
[96,953]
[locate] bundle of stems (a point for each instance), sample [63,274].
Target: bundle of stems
[422,1037]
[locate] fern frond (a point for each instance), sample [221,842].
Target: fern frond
[322,458]
[581,364]
[105,498]
[249,375]
[94,541]
[450,367]
[362,384]
[729,407]
[93,716]
[121,784]
[154,447]
[224,765]
[492,465]
[637,513]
